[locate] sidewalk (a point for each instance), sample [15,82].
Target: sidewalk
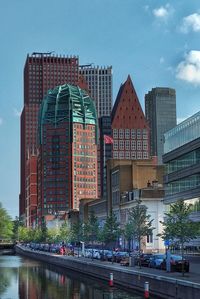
[190,277]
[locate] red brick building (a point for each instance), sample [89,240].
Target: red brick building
[130,130]
[31,189]
[42,72]
[67,159]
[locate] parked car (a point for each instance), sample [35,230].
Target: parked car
[144,259]
[155,260]
[120,255]
[176,262]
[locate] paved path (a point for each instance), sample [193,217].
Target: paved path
[192,277]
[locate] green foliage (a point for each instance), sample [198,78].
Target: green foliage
[6,224]
[16,224]
[25,234]
[64,232]
[139,223]
[111,229]
[76,234]
[177,227]
[91,228]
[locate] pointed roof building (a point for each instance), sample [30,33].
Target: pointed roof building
[129,126]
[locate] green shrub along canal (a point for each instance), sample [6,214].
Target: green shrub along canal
[24,278]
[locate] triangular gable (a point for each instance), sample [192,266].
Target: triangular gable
[127,111]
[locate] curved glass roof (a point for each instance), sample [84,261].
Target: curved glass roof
[66,103]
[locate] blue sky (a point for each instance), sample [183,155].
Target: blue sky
[156,42]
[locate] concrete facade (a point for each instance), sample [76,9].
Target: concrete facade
[160,111]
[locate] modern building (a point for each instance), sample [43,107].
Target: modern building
[160,111]
[42,72]
[99,81]
[130,130]
[105,143]
[67,151]
[182,163]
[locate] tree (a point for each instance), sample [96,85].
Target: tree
[77,233]
[16,224]
[64,232]
[6,224]
[177,227]
[111,231]
[128,234]
[140,224]
[91,229]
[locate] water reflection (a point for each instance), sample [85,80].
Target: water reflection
[27,279]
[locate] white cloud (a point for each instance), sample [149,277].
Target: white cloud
[17,112]
[191,22]
[189,69]
[1,121]
[162,60]
[163,12]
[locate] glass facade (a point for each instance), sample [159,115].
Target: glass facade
[183,133]
[181,185]
[183,161]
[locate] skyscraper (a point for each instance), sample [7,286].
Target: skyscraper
[160,110]
[42,72]
[99,80]
[67,160]
[105,145]
[129,126]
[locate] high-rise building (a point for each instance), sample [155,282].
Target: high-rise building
[67,151]
[42,72]
[160,110]
[99,80]
[105,144]
[130,130]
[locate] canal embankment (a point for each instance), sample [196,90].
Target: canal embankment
[165,285]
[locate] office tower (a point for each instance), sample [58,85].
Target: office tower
[160,110]
[67,159]
[105,142]
[42,71]
[99,80]
[130,130]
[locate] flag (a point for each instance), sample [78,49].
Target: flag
[108,139]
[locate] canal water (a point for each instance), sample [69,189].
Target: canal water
[22,278]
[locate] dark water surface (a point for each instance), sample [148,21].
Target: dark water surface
[22,278]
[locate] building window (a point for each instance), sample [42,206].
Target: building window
[145,155]
[145,145]
[121,133]
[115,155]
[133,145]
[115,145]
[127,145]
[139,145]
[150,238]
[133,155]
[138,134]
[132,133]
[139,155]
[121,155]
[127,134]
[144,134]
[127,155]
[115,133]
[121,144]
